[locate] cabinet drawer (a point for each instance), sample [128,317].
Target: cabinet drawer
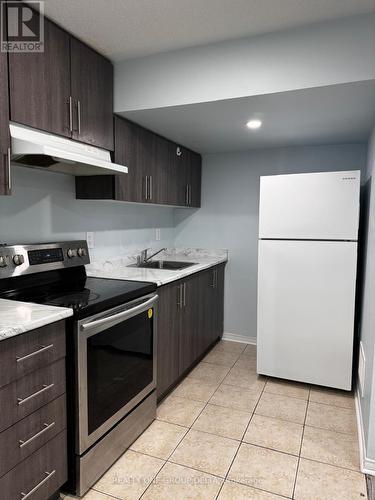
[40,475]
[28,394]
[29,434]
[30,351]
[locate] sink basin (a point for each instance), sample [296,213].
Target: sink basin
[170,265]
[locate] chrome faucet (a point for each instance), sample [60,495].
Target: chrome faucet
[143,257]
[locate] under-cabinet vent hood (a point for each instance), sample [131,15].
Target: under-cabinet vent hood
[33,148]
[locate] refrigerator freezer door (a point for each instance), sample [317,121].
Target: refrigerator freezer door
[318,206]
[306,292]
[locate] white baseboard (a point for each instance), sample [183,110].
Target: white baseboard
[239,338]
[367,464]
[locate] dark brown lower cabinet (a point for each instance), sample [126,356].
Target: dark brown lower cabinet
[190,320]
[33,441]
[190,329]
[167,336]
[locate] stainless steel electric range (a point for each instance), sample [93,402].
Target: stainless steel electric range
[111,349]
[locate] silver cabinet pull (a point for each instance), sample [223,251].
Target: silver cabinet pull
[45,429]
[150,187]
[179,299]
[21,401]
[215,274]
[70,114]
[48,476]
[212,285]
[184,285]
[43,348]
[7,161]
[79,116]
[187,194]
[9,171]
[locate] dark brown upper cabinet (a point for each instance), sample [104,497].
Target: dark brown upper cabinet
[157,174]
[66,90]
[146,155]
[40,84]
[92,91]
[5,179]
[184,176]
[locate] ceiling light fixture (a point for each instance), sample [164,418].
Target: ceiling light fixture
[254,124]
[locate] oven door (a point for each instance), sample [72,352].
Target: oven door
[116,366]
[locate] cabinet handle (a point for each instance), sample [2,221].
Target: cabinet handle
[79,116]
[212,285]
[24,496]
[70,114]
[187,195]
[179,300]
[150,187]
[147,188]
[45,429]
[214,279]
[21,401]
[184,285]
[8,160]
[42,349]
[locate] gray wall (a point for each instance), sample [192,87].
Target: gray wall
[229,214]
[367,330]
[333,52]
[43,208]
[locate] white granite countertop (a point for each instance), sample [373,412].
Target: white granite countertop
[117,268]
[20,317]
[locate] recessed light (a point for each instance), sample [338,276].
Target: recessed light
[254,124]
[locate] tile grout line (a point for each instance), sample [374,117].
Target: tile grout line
[239,446]
[300,448]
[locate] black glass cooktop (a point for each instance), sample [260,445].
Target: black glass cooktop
[86,296]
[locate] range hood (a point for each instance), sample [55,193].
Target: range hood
[33,148]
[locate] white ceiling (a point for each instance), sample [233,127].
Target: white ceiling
[123,29]
[325,115]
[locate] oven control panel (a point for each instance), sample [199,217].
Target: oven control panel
[16,260]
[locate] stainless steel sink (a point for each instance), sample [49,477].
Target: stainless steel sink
[170,265]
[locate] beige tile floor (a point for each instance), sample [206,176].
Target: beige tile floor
[224,433]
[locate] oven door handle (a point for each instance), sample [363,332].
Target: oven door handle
[121,316]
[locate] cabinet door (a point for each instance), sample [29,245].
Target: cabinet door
[92,92]
[167,337]
[161,171]
[195,179]
[207,298]
[4,127]
[129,187]
[184,186]
[189,339]
[40,84]
[219,302]
[178,170]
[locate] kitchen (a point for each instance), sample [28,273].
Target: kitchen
[191,187]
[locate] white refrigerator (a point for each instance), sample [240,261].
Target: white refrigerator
[307,263]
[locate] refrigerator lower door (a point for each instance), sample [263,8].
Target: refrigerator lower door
[306,296]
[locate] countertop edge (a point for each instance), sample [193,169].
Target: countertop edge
[51,315]
[181,274]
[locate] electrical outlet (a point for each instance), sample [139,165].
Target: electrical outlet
[157,234]
[90,239]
